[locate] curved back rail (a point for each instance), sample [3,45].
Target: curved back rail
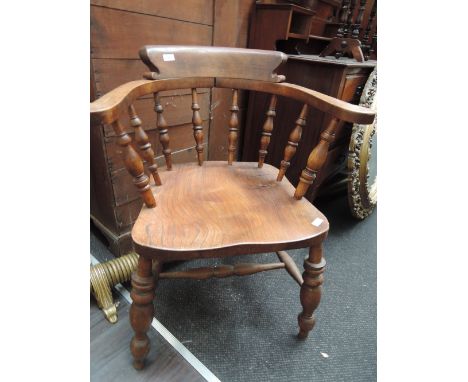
[109,108]
[112,106]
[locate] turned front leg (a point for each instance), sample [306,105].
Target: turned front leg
[142,310]
[311,290]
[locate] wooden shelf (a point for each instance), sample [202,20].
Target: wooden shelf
[279,21]
[322,38]
[335,3]
[286,6]
[297,35]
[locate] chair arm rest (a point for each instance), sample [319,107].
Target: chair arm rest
[111,105]
[337,108]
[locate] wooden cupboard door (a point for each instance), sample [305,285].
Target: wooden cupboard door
[350,92]
[351,84]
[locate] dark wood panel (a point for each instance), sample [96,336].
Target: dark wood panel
[100,184]
[120,34]
[324,13]
[197,11]
[111,73]
[270,26]
[101,197]
[229,30]
[350,85]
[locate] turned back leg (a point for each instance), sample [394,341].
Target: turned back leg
[142,309]
[311,289]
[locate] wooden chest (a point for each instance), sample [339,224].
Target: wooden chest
[118,30]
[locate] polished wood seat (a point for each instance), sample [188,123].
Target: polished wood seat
[216,206]
[215,209]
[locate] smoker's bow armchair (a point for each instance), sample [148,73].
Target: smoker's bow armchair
[216,208]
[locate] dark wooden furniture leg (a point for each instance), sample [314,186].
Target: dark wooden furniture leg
[142,309]
[311,289]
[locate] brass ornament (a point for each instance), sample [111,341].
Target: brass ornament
[108,274]
[362,196]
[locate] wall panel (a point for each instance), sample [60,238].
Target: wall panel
[196,11]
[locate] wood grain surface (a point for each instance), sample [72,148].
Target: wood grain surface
[195,11]
[217,206]
[136,30]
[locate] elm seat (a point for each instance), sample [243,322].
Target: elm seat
[215,206]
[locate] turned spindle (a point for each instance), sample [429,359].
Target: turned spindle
[365,39]
[311,290]
[316,159]
[134,164]
[161,124]
[349,21]
[357,24]
[344,43]
[293,142]
[220,271]
[343,19]
[197,127]
[144,145]
[267,129]
[290,266]
[233,127]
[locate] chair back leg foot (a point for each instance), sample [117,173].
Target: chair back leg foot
[306,324]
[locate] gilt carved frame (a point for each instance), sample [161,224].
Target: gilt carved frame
[362,196]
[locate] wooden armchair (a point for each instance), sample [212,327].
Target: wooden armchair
[213,208]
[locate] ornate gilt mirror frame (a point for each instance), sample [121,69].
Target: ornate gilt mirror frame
[362,196]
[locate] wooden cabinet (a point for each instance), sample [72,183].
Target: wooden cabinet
[273,28]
